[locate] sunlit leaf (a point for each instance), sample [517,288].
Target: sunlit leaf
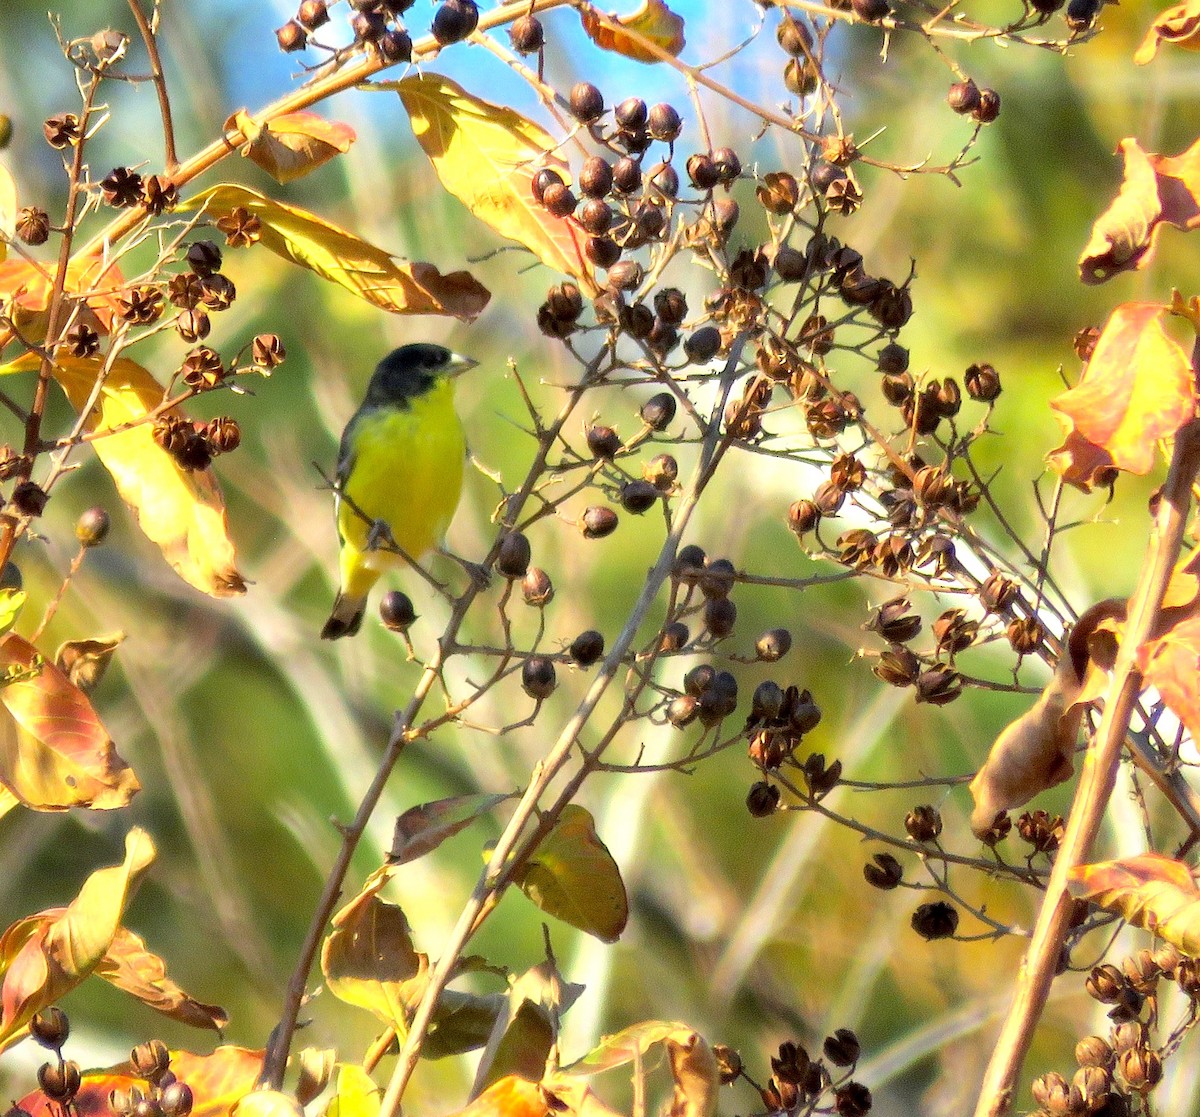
[697,1077]
[181,510]
[8,211]
[1137,388]
[47,955]
[54,751]
[356,1096]
[93,284]
[1156,189]
[290,146]
[266,1103]
[510,1097]
[133,969]
[341,257]
[84,662]
[486,155]
[625,1046]
[11,603]
[1150,890]
[421,829]
[1179,26]
[573,877]
[315,1067]
[653,21]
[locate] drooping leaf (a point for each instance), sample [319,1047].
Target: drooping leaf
[697,1077]
[180,510]
[47,955]
[461,1022]
[133,969]
[8,211]
[625,1046]
[315,1067]
[1179,26]
[486,156]
[421,829]
[92,285]
[54,751]
[573,877]
[290,146]
[84,662]
[342,258]
[356,1096]
[1137,388]
[523,1047]
[1150,890]
[653,21]
[1156,189]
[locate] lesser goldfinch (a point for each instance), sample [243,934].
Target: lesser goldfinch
[400,462]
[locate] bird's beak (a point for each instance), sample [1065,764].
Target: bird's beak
[458,364]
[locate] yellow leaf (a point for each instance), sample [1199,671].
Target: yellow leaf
[11,603]
[573,877]
[653,21]
[341,257]
[291,145]
[180,510]
[486,155]
[266,1103]
[357,1095]
[1179,25]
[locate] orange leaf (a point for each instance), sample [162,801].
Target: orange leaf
[218,1081]
[486,155]
[1156,188]
[1150,891]
[133,969]
[1179,25]
[653,21]
[54,752]
[181,510]
[90,280]
[47,955]
[1170,661]
[341,257]
[1137,388]
[291,145]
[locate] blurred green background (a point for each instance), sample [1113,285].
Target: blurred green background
[249,735]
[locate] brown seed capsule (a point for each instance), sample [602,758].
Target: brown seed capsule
[773,645]
[60,1081]
[661,471]
[527,34]
[631,114]
[595,177]
[1052,1093]
[121,187]
[689,564]
[160,194]
[597,522]
[989,106]
[674,637]
[894,622]
[703,345]
[62,130]
[794,36]
[604,252]
[312,14]
[1105,984]
[1141,1067]
[454,21]
[663,122]
[565,301]
[627,175]
[963,97]
[140,306]
[396,611]
[720,615]
[586,648]
[938,920]
[982,383]
[369,25]
[729,1063]
[625,275]
[29,498]
[241,227]
[997,593]
[954,632]
[658,411]
[842,1048]
[176,1100]
[718,578]
[923,823]
[267,351]
[803,516]
[682,711]
[883,872]
[32,225]
[699,679]
[542,178]
[729,165]
[939,685]
[639,496]
[512,559]
[291,37]
[395,45]
[852,1100]
[898,667]
[587,105]
[193,325]
[1025,634]
[223,434]
[558,200]
[536,587]
[1092,1087]
[202,369]
[1093,1051]
[538,677]
[50,1027]
[762,800]
[596,217]
[892,359]
[703,172]
[802,76]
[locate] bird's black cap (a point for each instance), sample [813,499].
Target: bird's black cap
[410,371]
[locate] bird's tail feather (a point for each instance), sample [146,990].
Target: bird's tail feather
[346,617]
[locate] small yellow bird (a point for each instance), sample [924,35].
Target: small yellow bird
[400,462]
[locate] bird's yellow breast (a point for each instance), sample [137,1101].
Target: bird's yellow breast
[406,469]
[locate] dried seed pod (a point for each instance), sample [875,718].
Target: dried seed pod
[176,1100]
[587,104]
[762,800]
[527,34]
[997,593]
[963,97]
[395,45]
[729,1063]
[898,667]
[538,677]
[794,36]
[29,498]
[988,108]
[767,701]
[1025,634]
[674,637]
[661,471]
[625,275]
[682,711]
[639,496]
[938,920]
[939,685]
[853,1099]
[597,522]
[954,632]
[267,351]
[32,225]
[802,76]
[703,172]
[658,411]
[663,122]
[537,588]
[291,37]
[982,383]
[894,622]
[1093,1051]
[778,193]
[627,175]
[586,648]
[729,165]
[50,1027]
[558,200]
[689,564]
[454,21]
[223,434]
[720,616]
[803,516]
[883,872]
[703,345]
[595,177]
[82,341]
[396,611]
[312,14]
[842,1049]
[789,264]
[1141,1067]
[543,178]
[718,578]
[92,527]
[923,823]
[60,1081]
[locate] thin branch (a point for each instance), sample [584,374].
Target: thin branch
[160,83]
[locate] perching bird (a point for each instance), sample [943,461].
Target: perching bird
[400,462]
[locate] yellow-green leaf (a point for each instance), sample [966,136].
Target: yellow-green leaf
[290,146]
[342,258]
[11,603]
[357,1095]
[486,155]
[653,21]
[573,877]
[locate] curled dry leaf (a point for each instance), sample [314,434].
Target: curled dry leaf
[290,146]
[180,510]
[1150,891]
[339,256]
[1170,659]
[1179,26]
[421,829]
[697,1078]
[486,156]
[1156,189]
[316,1067]
[54,751]
[653,21]
[1138,388]
[45,956]
[84,662]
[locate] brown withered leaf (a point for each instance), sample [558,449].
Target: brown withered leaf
[84,662]
[653,21]
[347,260]
[697,1078]
[133,969]
[1150,891]
[486,156]
[1179,26]
[421,829]
[290,146]
[54,751]
[1137,388]
[1156,189]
